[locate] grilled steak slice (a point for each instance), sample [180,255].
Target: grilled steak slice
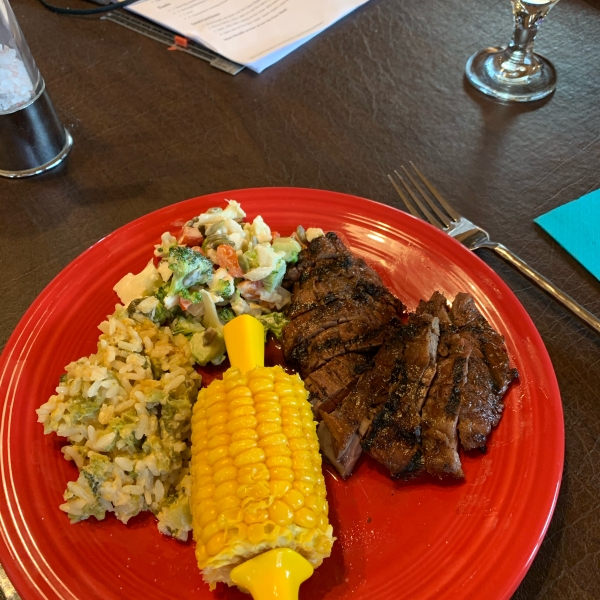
[371,389]
[436,306]
[368,313]
[336,378]
[322,248]
[345,463]
[489,374]
[440,413]
[336,279]
[394,436]
[358,335]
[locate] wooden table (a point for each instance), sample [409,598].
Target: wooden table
[381,87]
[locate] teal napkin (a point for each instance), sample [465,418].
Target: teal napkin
[576,227]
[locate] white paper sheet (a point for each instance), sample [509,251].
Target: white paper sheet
[255,33]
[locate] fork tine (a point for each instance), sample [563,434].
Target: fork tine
[431,218]
[443,216]
[413,211]
[436,194]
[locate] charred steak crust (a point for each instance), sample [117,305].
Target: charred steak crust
[440,413]
[394,438]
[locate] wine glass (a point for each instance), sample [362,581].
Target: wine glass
[516,73]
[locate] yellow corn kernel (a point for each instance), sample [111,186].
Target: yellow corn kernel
[205,505]
[268,417]
[268,406]
[294,499]
[253,473]
[227,503]
[322,522]
[273,440]
[266,396]
[281,513]
[207,517]
[216,544]
[210,530]
[202,470]
[230,517]
[305,518]
[244,434]
[205,492]
[279,488]
[256,516]
[222,463]
[217,407]
[236,448]
[306,475]
[305,488]
[282,473]
[303,460]
[315,503]
[278,450]
[205,481]
[239,402]
[219,440]
[216,430]
[299,444]
[217,454]
[225,474]
[278,461]
[238,392]
[265,429]
[283,388]
[242,411]
[290,401]
[292,432]
[262,373]
[228,488]
[245,422]
[256,533]
[249,457]
[217,418]
[232,383]
[214,399]
[259,384]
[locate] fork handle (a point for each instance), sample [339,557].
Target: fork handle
[587,317]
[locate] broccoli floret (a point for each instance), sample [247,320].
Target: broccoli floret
[98,471]
[225,314]
[288,245]
[187,327]
[189,268]
[274,322]
[150,307]
[274,279]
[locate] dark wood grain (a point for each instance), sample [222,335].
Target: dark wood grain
[385,85]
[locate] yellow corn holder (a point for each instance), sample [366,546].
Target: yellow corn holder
[258,494]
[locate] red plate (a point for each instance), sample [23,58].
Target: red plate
[422,539]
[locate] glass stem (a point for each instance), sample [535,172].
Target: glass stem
[519,59]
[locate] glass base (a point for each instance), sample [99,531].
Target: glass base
[495,73]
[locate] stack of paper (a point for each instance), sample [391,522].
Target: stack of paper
[255,33]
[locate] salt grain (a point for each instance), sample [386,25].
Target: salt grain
[16,87]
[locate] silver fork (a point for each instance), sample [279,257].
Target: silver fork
[444,217]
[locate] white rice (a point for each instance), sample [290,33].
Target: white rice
[126,413]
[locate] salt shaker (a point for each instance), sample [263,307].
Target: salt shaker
[32,138]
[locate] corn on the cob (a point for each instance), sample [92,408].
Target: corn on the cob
[256,470]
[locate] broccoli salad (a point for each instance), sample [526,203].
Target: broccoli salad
[220,266]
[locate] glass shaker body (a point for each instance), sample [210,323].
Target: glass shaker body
[32,138]
[20,79]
